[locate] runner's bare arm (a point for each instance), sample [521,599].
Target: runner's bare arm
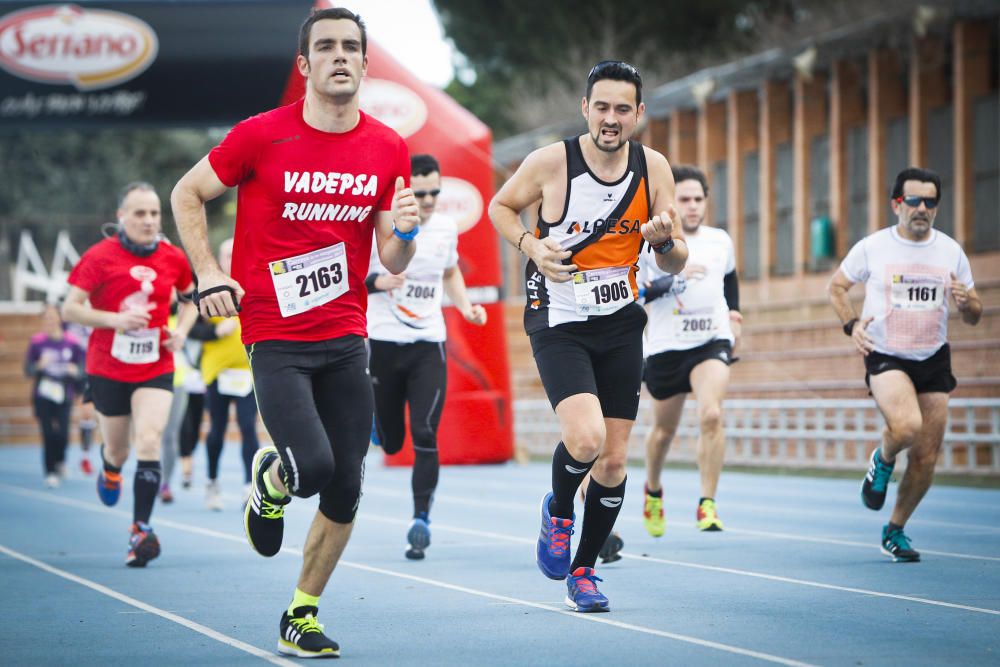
[394,252]
[524,188]
[839,286]
[77,309]
[665,223]
[187,200]
[187,315]
[967,301]
[454,286]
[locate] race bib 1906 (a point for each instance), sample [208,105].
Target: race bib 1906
[917,292]
[136,347]
[306,281]
[602,291]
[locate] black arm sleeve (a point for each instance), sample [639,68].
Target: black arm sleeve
[731,290]
[370,283]
[202,330]
[658,288]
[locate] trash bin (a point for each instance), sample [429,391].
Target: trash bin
[821,239]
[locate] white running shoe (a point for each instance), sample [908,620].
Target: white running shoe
[213,496]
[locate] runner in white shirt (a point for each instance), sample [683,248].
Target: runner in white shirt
[908,271]
[406,332]
[694,322]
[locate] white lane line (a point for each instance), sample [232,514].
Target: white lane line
[438,498]
[727,648]
[848,543]
[803,503]
[148,608]
[698,566]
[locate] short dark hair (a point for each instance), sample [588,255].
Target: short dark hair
[915,174]
[423,164]
[134,185]
[616,70]
[686,172]
[334,13]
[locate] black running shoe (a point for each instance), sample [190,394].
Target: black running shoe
[302,635]
[896,545]
[142,545]
[264,517]
[876,482]
[612,546]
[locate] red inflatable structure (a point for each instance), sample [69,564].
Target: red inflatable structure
[477,424]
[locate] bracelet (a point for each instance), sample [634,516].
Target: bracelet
[849,326]
[406,236]
[521,240]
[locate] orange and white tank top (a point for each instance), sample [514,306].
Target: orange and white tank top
[600,226]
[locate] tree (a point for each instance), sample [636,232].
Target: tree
[526,52]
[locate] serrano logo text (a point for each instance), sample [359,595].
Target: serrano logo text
[65,44]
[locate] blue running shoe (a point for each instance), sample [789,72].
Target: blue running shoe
[582,594]
[419,537]
[896,545]
[109,487]
[374,437]
[552,551]
[876,481]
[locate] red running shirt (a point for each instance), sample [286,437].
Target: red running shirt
[302,190]
[115,278]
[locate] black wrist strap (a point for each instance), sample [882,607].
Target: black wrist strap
[199,294]
[849,326]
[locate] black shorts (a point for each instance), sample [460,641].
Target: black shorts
[114,399]
[933,374]
[315,399]
[669,373]
[601,356]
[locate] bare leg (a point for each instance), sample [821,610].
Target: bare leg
[709,380]
[115,431]
[897,400]
[324,545]
[666,417]
[922,457]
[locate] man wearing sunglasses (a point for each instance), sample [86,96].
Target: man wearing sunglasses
[595,196]
[908,270]
[406,333]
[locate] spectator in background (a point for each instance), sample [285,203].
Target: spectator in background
[55,360]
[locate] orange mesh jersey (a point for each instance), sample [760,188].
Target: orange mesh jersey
[599,225]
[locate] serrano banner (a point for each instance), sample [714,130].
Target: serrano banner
[179,63]
[477,424]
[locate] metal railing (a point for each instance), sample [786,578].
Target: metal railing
[800,433]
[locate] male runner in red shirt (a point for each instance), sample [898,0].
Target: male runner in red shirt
[315,179]
[122,287]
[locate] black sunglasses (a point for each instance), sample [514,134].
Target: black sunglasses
[420,194]
[604,65]
[913,201]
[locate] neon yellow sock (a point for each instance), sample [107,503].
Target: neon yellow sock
[272,490]
[301,599]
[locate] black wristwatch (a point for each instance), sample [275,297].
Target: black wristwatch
[849,326]
[664,247]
